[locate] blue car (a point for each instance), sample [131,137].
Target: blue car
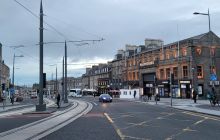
[105,98]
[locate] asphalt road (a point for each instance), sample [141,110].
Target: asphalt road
[131,120]
[127,120]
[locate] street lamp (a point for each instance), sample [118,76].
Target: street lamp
[14,67]
[206,14]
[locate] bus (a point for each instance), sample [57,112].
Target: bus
[75,93]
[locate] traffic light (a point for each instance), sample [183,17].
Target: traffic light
[44,80]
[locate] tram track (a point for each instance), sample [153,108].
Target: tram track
[49,124]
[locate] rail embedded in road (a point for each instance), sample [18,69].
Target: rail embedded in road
[41,128]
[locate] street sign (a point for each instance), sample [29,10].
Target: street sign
[213,77]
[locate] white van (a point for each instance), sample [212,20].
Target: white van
[75,93]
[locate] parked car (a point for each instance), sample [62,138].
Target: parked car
[75,93]
[105,98]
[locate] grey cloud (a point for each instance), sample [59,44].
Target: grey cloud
[120,22]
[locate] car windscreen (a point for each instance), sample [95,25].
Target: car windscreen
[105,95]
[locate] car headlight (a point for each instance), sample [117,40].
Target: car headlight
[104,98]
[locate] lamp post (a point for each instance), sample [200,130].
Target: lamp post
[13,72]
[206,14]
[211,57]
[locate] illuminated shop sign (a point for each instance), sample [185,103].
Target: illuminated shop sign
[184,82]
[149,85]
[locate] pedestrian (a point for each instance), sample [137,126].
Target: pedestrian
[134,93]
[12,93]
[148,96]
[194,96]
[58,100]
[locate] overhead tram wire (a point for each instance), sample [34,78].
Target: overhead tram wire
[77,28]
[58,32]
[75,41]
[68,40]
[27,54]
[43,21]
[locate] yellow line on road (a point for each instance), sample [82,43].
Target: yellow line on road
[109,119]
[117,130]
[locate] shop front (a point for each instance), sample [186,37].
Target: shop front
[163,88]
[185,89]
[148,83]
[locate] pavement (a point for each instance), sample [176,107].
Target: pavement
[8,106]
[27,106]
[202,106]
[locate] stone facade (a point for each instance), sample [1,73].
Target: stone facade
[192,61]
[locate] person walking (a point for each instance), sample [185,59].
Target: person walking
[194,96]
[134,93]
[12,93]
[58,100]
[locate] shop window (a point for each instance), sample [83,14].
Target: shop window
[175,72]
[199,72]
[161,73]
[185,71]
[168,73]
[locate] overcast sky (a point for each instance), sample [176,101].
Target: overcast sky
[119,22]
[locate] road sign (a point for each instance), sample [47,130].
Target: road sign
[213,77]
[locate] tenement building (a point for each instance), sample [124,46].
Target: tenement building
[195,64]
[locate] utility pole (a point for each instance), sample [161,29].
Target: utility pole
[65,60]
[41,106]
[56,80]
[0,69]
[65,81]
